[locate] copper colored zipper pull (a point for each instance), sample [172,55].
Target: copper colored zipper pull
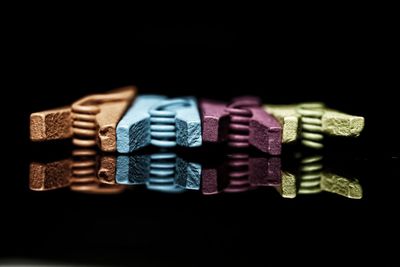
[91,120]
[95,118]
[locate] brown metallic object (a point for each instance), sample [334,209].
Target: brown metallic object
[95,118]
[91,120]
[51,124]
[49,176]
[106,170]
[86,172]
[98,188]
[92,175]
[86,168]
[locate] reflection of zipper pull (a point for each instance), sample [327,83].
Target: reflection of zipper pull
[50,175]
[107,169]
[90,121]
[162,171]
[287,188]
[265,171]
[241,172]
[85,172]
[243,123]
[310,175]
[162,122]
[238,166]
[313,179]
[214,179]
[188,174]
[54,124]
[340,185]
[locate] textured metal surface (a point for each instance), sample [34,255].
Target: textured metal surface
[288,188]
[95,118]
[107,169]
[247,124]
[50,176]
[265,132]
[90,121]
[312,178]
[51,124]
[154,119]
[289,120]
[85,171]
[215,121]
[340,185]
[332,122]
[240,172]
[163,171]
[336,123]
[107,120]
[214,179]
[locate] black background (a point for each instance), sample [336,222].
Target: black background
[343,61]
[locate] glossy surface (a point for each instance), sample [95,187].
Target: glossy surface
[166,171]
[71,197]
[162,171]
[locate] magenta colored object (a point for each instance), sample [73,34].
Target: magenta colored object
[209,181]
[243,123]
[214,179]
[265,132]
[240,172]
[265,171]
[215,121]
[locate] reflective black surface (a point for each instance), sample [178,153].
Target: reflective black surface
[324,62]
[148,226]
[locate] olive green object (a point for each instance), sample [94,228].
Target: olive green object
[308,121]
[328,182]
[288,185]
[288,118]
[340,124]
[333,183]
[312,178]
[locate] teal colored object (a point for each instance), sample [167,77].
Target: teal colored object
[162,122]
[163,171]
